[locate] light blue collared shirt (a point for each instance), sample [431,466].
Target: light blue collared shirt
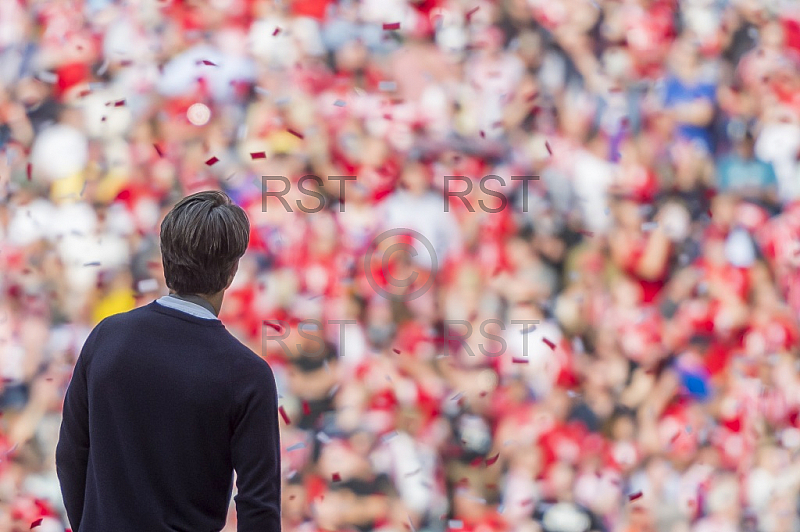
[186,306]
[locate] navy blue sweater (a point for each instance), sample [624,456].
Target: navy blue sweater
[161,409]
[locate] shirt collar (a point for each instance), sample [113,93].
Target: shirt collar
[189,307]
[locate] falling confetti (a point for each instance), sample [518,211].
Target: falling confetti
[472,12]
[547,145]
[649,226]
[258,155]
[212,161]
[158,150]
[634,496]
[389,436]
[453,523]
[391,26]
[47,77]
[491,461]
[296,447]
[336,477]
[483,135]
[550,344]
[517,360]
[396,351]
[275,326]
[296,133]
[206,62]
[457,396]
[339,103]
[30,171]
[387,86]
[528,330]
[285,416]
[91,264]
[306,409]
[412,473]
[476,462]
[276,32]
[37,523]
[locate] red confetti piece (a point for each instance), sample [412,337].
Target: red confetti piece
[275,326]
[296,133]
[37,523]
[497,124]
[587,233]
[258,155]
[472,12]
[276,32]
[212,161]
[30,171]
[391,26]
[533,96]
[396,351]
[125,63]
[615,90]
[158,150]
[491,461]
[306,409]
[547,145]
[516,360]
[483,135]
[206,62]
[550,344]
[285,416]
[476,462]
[527,502]
[84,93]
[634,496]
[336,477]
[103,119]
[291,497]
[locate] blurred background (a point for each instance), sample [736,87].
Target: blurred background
[657,248]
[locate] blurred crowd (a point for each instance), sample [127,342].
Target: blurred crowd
[608,345]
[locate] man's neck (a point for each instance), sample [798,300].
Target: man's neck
[212,303]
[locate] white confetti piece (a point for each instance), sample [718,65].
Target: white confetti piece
[47,77]
[295,447]
[649,226]
[340,103]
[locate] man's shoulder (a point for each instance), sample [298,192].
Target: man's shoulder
[245,360]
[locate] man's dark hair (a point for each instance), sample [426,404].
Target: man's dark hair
[202,239]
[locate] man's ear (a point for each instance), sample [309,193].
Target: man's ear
[232,275]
